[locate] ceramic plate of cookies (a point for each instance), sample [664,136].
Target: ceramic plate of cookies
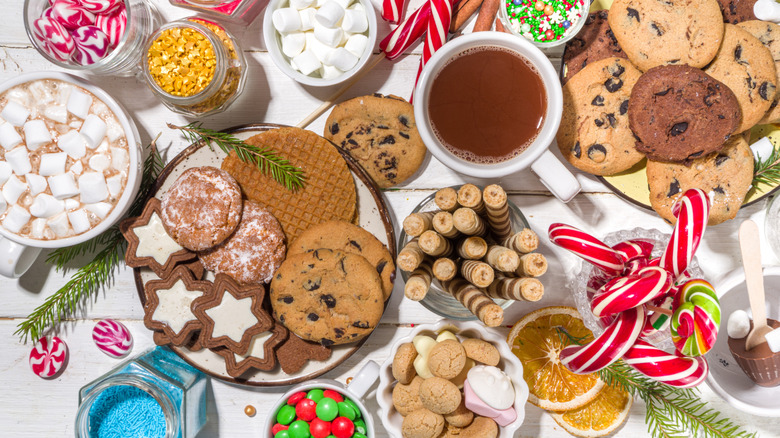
[251,282]
[685,102]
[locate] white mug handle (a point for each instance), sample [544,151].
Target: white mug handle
[556,177]
[364,379]
[16,259]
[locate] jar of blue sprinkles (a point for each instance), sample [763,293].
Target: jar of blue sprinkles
[155,395]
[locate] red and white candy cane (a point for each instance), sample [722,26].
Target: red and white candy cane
[48,356]
[112,338]
[668,368]
[657,321]
[696,318]
[692,211]
[54,38]
[633,266]
[92,45]
[634,249]
[630,291]
[392,10]
[436,35]
[608,347]
[113,25]
[587,247]
[407,33]
[101,6]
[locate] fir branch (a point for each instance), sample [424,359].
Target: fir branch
[108,249]
[767,171]
[278,168]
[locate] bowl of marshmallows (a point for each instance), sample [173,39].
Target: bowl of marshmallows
[320,42]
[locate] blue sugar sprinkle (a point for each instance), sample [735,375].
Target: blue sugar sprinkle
[126,412]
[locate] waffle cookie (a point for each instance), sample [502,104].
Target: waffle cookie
[329,191]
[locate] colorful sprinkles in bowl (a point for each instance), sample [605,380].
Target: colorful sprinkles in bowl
[544,22]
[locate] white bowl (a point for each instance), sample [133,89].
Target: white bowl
[726,378]
[273,43]
[509,363]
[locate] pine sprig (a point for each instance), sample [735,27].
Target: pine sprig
[278,168]
[767,171]
[108,249]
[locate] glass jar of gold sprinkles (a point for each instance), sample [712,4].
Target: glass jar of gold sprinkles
[194,66]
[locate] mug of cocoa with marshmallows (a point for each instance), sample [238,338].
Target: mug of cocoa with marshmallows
[488,104]
[70,165]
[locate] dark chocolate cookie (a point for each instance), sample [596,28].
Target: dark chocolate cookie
[680,113]
[737,11]
[594,42]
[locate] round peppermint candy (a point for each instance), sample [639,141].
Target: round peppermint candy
[48,356]
[101,6]
[71,14]
[112,338]
[54,38]
[92,45]
[113,25]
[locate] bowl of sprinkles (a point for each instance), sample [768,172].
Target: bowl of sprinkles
[546,23]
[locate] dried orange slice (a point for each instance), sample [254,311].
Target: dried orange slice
[598,418]
[537,340]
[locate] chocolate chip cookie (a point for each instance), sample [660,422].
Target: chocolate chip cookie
[327,296]
[769,35]
[737,11]
[594,135]
[746,66]
[725,177]
[380,132]
[594,42]
[680,113]
[659,32]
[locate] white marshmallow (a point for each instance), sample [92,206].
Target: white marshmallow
[92,186]
[307,62]
[76,124]
[100,209]
[286,20]
[738,325]
[3,205]
[36,134]
[63,186]
[767,10]
[79,103]
[358,7]
[342,59]
[63,93]
[320,50]
[16,218]
[38,228]
[77,168]
[773,340]
[58,113]
[79,220]
[329,72]
[40,92]
[307,18]
[36,183]
[301,4]
[71,204]
[5,171]
[93,130]
[330,14]
[114,184]
[356,44]
[15,113]
[119,158]
[13,189]
[19,159]
[52,164]
[74,144]
[46,206]
[59,224]
[293,43]
[8,136]
[354,21]
[327,35]
[344,3]
[762,148]
[114,130]
[99,162]
[20,95]
[319,3]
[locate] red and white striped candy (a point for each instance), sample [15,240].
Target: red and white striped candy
[436,34]
[633,266]
[48,13]
[392,10]
[630,291]
[633,249]
[101,6]
[48,356]
[72,15]
[113,25]
[54,38]
[658,321]
[594,284]
[668,368]
[608,347]
[692,211]
[407,33]
[92,45]
[587,247]
[112,338]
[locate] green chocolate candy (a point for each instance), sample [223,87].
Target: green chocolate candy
[345,410]
[285,415]
[358,435]
[354,407]
[315,394]
[327,409]
[360,426]
[299,429]
[282,434]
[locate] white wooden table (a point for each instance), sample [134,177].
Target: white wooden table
[33,407]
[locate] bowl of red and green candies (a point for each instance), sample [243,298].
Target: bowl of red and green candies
[546,23]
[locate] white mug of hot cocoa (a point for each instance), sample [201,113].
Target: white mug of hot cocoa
[70,165]
[488,104]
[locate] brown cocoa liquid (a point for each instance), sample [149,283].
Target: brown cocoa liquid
[487,105]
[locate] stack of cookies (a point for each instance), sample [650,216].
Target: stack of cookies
[674,84]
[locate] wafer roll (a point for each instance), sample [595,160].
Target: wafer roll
[434,244]
[497,209]
[468,222]
[479,274]
[444,269]
[410,257]
[416,223]
[446,199]
[470,196]
[419,282]
[502,259]
[532,265]
[444,225]
[519,289]
[523,241]
[474,299]
[472,248]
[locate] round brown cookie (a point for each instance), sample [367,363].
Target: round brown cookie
[725,177]
[481,427]
[439,395]
[403,363]
[737,11]
[353,239]
[594,135]
[658,32]
[380,132]
[406,398]
[769,35]
[594,42]
[747,67]
[422,423]
[327,296]
[680,113]
[447,359]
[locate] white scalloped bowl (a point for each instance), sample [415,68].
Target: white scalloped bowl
[509,363]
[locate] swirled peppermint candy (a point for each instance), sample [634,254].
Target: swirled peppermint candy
[112,338]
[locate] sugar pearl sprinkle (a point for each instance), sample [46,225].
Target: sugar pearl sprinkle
[182,61]
[542,21]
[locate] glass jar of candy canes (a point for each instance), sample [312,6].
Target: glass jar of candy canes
[237,11]
[546,23]
[96,36]
[194,66]
[155,395]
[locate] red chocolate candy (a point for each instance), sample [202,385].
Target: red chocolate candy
[306,409]
[295,398]
[342,427]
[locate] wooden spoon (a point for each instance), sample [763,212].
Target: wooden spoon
[754,279]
